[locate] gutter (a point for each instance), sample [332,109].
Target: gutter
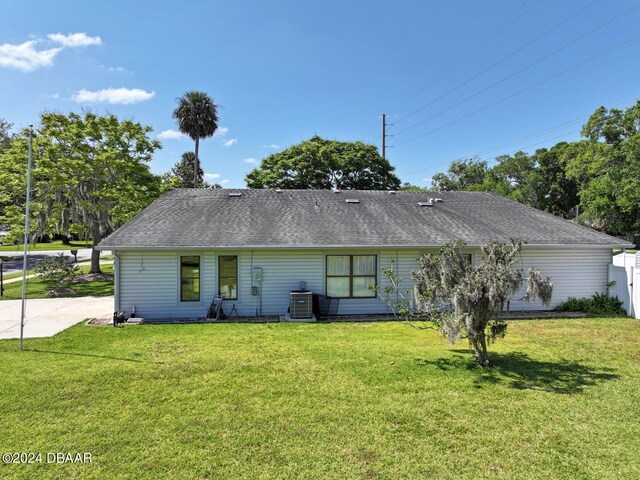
[377,247]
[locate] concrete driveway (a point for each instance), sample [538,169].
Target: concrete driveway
[45,317]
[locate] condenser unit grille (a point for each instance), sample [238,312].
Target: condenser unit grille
[300,304]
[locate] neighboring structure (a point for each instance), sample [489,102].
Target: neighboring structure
[253,247]
[624,281]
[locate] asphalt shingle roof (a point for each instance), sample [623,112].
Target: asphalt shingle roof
[321,218]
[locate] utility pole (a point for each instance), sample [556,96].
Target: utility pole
[384,136]
[26,238]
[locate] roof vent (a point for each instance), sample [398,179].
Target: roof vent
[278,190]
[392,192]
[425,204]
[352,200]
[235,194]
[437,200]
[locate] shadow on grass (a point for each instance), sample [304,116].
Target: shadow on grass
[102,288]
[84,355]
[519,371]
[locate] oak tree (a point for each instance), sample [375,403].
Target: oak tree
[90,175]
[469,296]
[319,163]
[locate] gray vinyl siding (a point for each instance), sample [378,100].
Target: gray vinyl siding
[574,273]
[150,280]
[282,272]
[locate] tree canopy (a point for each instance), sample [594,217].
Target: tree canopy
[181,174]
[606,166]
[90,175]
[5,134]
[461,175]
[319,163]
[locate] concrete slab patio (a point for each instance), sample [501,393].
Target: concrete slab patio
[45,317]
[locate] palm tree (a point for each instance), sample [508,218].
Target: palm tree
[197,116]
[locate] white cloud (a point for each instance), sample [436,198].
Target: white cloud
[171,134]
[225,181]
[212,176]
[115,96]
[250,160]
[74,40]
[230,142]
[25,57]
[273,146]
[221,132]
[118,69]
[55,96]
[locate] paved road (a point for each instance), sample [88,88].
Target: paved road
[32,275]
[14,264]
[45,317]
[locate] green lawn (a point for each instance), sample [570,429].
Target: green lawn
[9,276]
[326,401]
[37,289]
[56,245]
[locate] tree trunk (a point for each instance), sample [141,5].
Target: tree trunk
[479,343]
[196,165]
[95,254]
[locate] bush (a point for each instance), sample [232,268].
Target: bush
[57,272]
[598,304]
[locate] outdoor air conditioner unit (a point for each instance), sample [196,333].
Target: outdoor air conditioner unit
[300,304]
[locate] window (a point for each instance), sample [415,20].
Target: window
[468,258]
[190,279]
[228,277]
[349,276]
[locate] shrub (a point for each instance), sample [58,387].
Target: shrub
[57,272]
[598,304]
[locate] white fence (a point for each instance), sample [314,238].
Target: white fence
[624,275]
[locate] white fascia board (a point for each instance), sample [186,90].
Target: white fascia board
[377,247]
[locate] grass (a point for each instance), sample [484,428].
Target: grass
[36,288]
[330,401]
[9,276]
[55,245]
[628,250]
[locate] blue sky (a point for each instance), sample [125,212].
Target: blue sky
[456,78]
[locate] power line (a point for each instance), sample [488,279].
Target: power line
[461,61]
[526,137]
[487,159]
[519,92]
[517,50]
[541,59]
[499,147]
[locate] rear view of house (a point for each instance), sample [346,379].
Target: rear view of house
[254,247]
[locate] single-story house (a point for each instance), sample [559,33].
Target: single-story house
[254,247]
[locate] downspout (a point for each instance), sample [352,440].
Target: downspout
[116,281]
